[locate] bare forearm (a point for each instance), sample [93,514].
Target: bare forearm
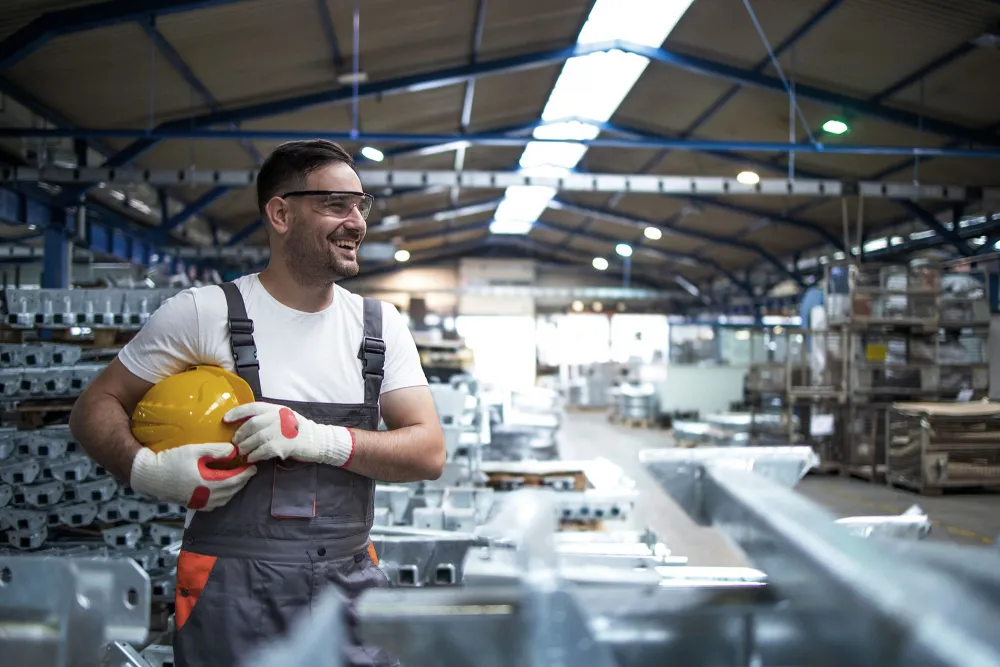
[102,427]
[409,454]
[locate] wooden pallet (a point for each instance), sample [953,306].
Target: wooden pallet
[501,481]
[98,338]
[32,413]
[594,525]
[585,408]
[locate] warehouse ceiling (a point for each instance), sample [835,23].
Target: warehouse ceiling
[901,75]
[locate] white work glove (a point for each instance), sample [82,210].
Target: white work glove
[181,475]
[274,431]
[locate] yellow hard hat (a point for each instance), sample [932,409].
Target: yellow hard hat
[187,409]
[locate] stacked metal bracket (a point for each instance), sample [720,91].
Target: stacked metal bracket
[44,370]
[55,500]
[91,308]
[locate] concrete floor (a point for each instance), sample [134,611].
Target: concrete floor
[966,518]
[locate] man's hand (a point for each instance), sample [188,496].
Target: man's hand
[273,431]
[181,475]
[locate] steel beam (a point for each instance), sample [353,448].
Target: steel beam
[177,62]
[245,233]
[340,95]
[149,138]
[56,259]
[193,209]
[498,180]
[682,258]
[88,17]
[951,235]
[670,227]
[326,23]
[470,93]
[848,103]
[457,75]
[722,101]
[931,67]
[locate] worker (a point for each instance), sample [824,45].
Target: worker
[263,540]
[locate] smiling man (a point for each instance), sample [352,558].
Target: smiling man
[323,364]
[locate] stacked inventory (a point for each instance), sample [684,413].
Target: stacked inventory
[934,446]
[910,334]
[54,499]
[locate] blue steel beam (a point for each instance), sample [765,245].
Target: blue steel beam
[339,95]
[951,235]
[723,100]
[814,93]
[88,17]
[470,92]
[669,255]
[490,139]
[245,233]
[673,228]
[177,62]
[931,67]
[193,209]
[106,231]
[326,23]
[457,75]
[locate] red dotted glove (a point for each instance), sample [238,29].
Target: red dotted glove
[181,475]
[272,431]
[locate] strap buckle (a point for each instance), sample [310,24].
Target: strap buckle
[245,356]
[239,325]
[372,356]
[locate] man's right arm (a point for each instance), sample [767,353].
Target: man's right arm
[101,420]
[167,344]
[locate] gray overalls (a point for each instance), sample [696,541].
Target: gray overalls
[251,567]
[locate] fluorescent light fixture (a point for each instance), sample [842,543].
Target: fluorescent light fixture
[598,306]
[748,178]
[524,202]
[839,255]
[577,306]
[624,249]
[600,264]
[652,233]
[589,87]
[372,153]
[402,255]
[510,226]
[835,126]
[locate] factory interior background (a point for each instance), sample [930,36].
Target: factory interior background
[706,292]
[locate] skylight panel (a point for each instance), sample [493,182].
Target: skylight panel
[590,87]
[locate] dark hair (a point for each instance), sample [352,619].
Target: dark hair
[291,163]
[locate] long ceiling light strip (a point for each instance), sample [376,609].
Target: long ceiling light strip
[590,87]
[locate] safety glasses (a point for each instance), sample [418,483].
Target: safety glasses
[337,203]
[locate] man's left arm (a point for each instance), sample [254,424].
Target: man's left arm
[413,447]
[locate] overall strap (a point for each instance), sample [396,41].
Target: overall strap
[372,352]
[241,338]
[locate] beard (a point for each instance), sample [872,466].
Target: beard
[312,260]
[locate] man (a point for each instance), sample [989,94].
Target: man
[322,362]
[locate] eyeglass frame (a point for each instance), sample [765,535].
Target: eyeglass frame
[363,195]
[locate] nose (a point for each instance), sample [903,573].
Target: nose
[355,221]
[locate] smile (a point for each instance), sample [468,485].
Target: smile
[346,244]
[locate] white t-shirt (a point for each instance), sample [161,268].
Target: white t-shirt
[303,356]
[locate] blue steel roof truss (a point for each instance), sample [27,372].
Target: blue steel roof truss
[67,21]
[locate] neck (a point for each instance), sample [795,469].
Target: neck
[286,290]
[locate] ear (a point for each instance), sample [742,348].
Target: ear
[279,213]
